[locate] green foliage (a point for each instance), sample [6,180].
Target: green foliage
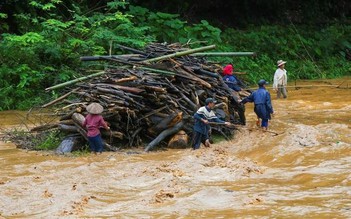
[49,141]
[169,28]
[82,152]
[47,48]
[51,35]
[2,15]
[217,138]
[311,53]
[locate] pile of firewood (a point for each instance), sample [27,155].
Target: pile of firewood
[148,97]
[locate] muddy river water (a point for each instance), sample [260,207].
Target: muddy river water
[304,172]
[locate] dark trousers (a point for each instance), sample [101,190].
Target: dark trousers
[264,123]
[95,143]
[198,138]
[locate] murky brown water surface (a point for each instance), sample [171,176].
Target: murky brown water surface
[304,172]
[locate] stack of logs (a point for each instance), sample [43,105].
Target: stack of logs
[148,97]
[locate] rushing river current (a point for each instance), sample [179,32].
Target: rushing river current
[301,169]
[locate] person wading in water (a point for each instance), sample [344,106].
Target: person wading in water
[263,106]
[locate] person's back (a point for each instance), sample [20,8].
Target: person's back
[260,96]
[93,122]
[262,100]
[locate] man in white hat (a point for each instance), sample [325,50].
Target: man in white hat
[280,79]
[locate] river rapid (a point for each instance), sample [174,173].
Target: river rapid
[301,169]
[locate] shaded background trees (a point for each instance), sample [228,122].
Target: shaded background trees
[222,13]
[240,13]
[41,40]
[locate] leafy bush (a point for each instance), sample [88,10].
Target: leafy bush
[47,48]
[50,37]
[49,141]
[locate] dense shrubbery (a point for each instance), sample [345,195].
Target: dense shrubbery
[50,37]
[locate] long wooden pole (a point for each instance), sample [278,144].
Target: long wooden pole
[75,81]
[158,71]
[60,98]
[224,54]
[182,53]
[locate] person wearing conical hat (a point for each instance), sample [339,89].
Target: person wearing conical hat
[93,121]
[280,79]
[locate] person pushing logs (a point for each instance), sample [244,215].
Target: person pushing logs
[203,117]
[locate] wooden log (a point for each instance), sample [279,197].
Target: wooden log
[68,115]
[121,94]
[158,71]
[179,140]
[75,81]
[163,135]
[120,60]
[67,121]
[132,50]
[177,54]
[60,98]
[208,73]
[152,112]
[123,88]
[183,71]
[192,105]
[114,134]
[98,58]
[155,89]
[165,123]
[67,128]
[134,135]
[44,127]
[224,54]
[78,120]
[121,80]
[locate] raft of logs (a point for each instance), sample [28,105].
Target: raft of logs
[149,97]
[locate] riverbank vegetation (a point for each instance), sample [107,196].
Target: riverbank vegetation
[41,43]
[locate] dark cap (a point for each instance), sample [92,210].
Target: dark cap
[262,82]
[210,100]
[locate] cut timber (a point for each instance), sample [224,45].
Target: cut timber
[164,135]
[179,140]
[224,54]
[165,123]
[177,54]
[75,81]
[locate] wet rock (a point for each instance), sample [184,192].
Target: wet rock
[68,145]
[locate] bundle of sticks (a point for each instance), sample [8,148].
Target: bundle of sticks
[148,96]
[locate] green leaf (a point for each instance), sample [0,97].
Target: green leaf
[3,16]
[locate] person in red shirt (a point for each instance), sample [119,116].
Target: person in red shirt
[93,121]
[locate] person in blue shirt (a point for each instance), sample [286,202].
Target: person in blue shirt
[202,117]
[230,79]
[263,105]
[233,82]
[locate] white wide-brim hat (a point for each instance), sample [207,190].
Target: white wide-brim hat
[281,62]
[94,108]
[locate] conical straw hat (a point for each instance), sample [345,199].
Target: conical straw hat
[94,108]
